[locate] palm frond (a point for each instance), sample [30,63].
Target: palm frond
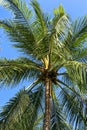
[40,17]
[39,123]
[81,55]
[77,70]
[20,10]
[61,23]
[59,30]
[58,118]
[21,35]
[30,114]
[14,71]
[58,121]
[14,108]
[74,108]
[21,111]
[76,40]
[79,31]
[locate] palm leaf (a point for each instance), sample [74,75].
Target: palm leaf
[79,31]
[16,104]
[20,34]
[58,118]
[40,17]
[76,40]
[20,10]
[14,71]
[61,22]
[39,122]
[30,114]
[21,110]
[77,70]
[74,108]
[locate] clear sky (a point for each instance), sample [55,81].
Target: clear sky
[75,8]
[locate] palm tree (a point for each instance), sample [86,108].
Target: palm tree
[54,59]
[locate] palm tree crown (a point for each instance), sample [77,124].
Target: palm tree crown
[55,60]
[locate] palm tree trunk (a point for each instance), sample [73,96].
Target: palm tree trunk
[47,115]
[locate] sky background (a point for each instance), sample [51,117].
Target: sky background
[75,8]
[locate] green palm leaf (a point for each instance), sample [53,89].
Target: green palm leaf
[21,115]
[58,118]
[40,17]
[13,109]
[78,70]
[73,105]
[13,71]
[20,10]
[20,34]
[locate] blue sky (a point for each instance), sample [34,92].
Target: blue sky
[75,8]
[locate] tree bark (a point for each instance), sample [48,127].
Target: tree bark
[47,115]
